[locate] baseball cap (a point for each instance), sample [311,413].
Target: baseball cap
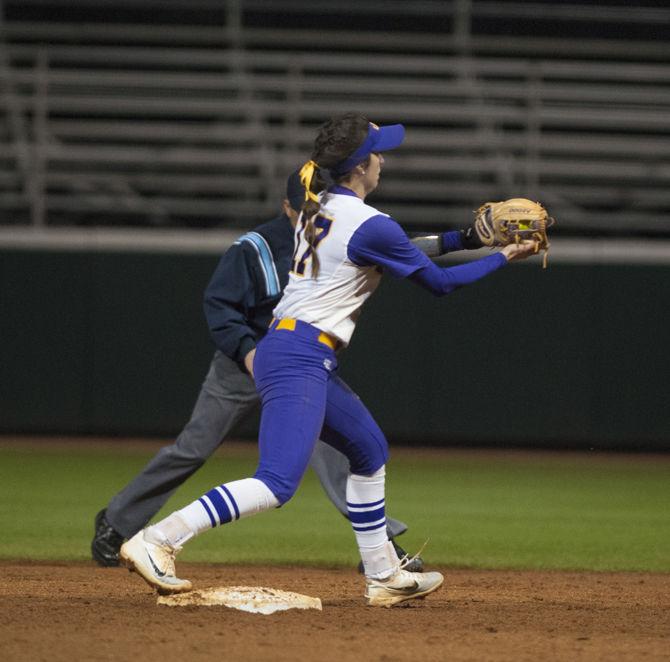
[295,191]
[379,139]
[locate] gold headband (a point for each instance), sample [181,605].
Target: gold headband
[306,176]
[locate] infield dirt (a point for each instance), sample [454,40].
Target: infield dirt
[81,612]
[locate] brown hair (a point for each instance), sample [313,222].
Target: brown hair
[337,139]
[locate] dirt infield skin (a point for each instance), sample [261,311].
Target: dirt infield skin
[77,611]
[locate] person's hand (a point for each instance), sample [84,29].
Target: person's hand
[249,361]
[520,251]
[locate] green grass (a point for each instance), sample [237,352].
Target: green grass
[502,510]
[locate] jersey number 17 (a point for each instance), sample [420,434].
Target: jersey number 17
[303,249]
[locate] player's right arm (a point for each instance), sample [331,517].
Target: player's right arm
[434,245]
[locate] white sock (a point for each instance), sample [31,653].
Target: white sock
[173,530]
[367,513]
[225,503]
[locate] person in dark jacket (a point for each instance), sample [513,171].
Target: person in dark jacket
[247,284]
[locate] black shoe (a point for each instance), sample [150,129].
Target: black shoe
[415,565]
[106,542]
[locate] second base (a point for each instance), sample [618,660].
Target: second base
[254,599]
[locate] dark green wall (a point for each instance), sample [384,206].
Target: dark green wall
[574,355]
[570,355]
[101,343]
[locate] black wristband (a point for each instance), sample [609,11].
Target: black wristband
[469,239]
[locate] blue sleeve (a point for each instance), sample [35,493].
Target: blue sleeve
[442,280]
[229,301]
[380,241]
[451,241]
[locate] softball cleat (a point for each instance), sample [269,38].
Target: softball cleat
[401,586]
[153,559]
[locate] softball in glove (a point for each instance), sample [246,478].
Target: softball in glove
[513,221]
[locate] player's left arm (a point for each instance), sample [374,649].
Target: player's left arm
[381,241]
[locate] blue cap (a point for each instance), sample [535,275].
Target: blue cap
[295,191]
[379,139]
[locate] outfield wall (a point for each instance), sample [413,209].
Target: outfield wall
[111,342]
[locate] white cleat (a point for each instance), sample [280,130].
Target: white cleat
[401,586]
[153,560]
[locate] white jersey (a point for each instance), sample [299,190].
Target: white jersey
[332,301]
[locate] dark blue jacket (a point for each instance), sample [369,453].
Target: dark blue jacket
[246,286]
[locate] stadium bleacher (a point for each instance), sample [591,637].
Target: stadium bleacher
[191,115]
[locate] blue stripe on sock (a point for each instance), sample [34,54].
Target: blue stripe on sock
[366,516]
[369,528]
[208,511]
[222,509]
[365,505]
[230,496]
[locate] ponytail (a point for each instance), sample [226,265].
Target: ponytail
[313,183]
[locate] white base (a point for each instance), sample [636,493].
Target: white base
[255,599]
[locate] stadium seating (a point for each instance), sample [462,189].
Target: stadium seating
[198,125]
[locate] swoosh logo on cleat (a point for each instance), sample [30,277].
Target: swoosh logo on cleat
[405,590]
[155,567]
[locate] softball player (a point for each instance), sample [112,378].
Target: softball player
[342,246]
[239,299]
